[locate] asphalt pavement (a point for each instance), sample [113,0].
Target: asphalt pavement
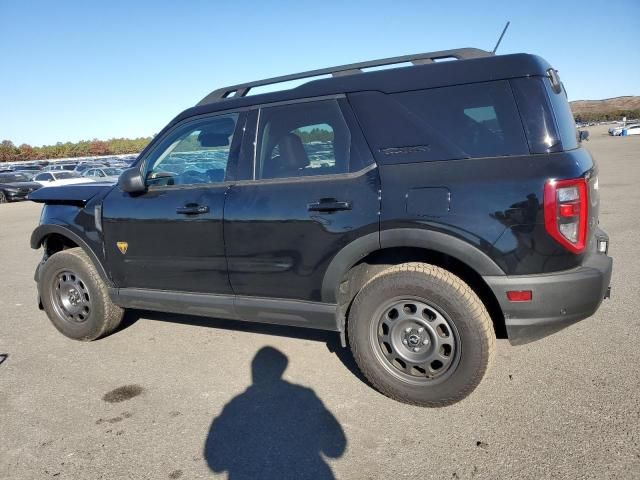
[171,396]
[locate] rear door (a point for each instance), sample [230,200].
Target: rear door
[170,237]
[308,189]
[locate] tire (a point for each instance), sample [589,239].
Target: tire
[3,198]
[75,298]
[420,335]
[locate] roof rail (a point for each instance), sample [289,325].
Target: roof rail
[242,89]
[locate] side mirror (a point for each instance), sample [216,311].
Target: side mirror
[131,181]
[583,135]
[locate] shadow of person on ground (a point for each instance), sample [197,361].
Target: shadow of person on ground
[274,429]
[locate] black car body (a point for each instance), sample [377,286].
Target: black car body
[15,187]
[282,207]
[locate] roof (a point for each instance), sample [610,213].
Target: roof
[421,76]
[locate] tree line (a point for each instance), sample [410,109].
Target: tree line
[84,148]
[606,116]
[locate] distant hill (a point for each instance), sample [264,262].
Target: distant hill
[606,105]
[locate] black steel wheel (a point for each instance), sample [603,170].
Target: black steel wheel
[420,335]
[415,340]
[71,298]
[75,297]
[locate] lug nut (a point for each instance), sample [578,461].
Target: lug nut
[425,341]
[416,349]
[420,330]
[405,341]
[408,329]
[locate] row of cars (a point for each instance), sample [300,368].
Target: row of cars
[19,180]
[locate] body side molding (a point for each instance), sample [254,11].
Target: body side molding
[278,311]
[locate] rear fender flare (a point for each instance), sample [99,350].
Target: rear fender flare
[459,249]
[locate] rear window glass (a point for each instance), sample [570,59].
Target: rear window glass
[465,121]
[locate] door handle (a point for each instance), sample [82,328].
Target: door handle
[328,205]
[192,209]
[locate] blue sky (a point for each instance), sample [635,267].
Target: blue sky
[76,70]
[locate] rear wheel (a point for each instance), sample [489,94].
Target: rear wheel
[75,298]
[421,335]
[3,198]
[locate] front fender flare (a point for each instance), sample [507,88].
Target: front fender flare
[40,234]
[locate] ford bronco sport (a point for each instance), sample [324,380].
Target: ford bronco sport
[420,211]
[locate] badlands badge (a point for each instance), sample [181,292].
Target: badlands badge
[122,246]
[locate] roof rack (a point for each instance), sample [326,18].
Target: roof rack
[242,89]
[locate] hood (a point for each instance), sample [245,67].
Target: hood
[21,185]
[76,194]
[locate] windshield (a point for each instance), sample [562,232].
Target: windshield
[13,177]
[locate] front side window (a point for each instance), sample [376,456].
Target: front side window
[196,153]
[303,139]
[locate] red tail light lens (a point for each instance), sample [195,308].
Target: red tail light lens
[565,212]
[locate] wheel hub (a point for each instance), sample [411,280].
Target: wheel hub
[415,339]
[74,297]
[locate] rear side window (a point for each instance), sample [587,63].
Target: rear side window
[305,139]
[464,121]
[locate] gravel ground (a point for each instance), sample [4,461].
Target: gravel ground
[173,396]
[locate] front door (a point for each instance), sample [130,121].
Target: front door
[311,189]
[171,236]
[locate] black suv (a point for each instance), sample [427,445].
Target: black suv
[420,211]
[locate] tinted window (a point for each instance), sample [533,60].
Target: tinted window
[303,139]
[44,177]
[476,120]
[197,152]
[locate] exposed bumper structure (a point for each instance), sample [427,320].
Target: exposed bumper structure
[558,299]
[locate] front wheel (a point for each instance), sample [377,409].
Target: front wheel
[421,335]
[75,298]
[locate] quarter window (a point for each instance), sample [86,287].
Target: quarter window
[446,123]
[196,153]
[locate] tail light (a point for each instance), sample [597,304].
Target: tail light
[565,212]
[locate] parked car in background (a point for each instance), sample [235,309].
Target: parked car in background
[58,167]
[57,178]
[82,167]
[31,167]
[29,174]
[15,186]
[103,174]
[617,130]
[631,130]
